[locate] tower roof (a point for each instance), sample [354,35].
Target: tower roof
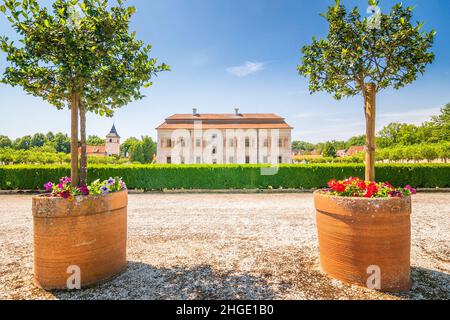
[113,132]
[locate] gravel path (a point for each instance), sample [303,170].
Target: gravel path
[239,246]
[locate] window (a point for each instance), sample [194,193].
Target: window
[198,160]
[266,159]
[198,143]
[231,160]
[214,161]
[214,136]
[182,160]
[231,142]
[169,143]
[280,159]
[110,140]
[214,151]
[169,160]
[247,159]
[247,142]
[266,142]
[182,142]
[280,143]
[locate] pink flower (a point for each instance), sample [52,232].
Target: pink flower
[84,190]
[48,186]
[65,180]
[65,194]
[411,189]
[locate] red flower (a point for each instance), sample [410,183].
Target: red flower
[362,185]
[371,190]
[387,184]
[339,187]
[331,183]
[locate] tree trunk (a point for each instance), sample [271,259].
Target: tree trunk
[83,156]
[74,139]
[370,110]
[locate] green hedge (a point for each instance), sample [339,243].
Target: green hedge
[158,177]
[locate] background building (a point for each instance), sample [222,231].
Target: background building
[224,138]
[113,142]
[111,147]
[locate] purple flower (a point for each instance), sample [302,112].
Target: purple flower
[111,181]
[395,194]
[104,190]
[48,186]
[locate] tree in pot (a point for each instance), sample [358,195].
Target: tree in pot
[77,54]
[370,229]
[361,57]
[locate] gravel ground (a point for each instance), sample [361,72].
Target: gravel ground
[226,246]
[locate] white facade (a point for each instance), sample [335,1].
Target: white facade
[224,139]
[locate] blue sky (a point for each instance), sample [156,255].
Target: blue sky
[243,53]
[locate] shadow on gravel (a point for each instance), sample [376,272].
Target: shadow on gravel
[428,284]
[145,282]
[292,272]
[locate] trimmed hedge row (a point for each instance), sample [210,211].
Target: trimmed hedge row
[158,177]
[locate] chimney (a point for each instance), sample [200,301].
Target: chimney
[194,112]
[236,110]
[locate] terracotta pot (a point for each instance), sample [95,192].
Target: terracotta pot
[356,234]
[89,232]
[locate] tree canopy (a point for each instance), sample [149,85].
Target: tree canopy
[77,46]
[354,53]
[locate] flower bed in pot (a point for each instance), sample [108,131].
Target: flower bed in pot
[80,229]
[364,231]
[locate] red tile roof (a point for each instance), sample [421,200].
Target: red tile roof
[246,116]
[354,150]
[95,150]
[173,126]
[225,121]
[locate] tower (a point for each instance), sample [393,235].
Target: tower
[113,142]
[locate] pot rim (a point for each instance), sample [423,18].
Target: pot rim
[56,207]
[45,197]
[322,193]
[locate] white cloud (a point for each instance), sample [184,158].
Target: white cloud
[246,69]
[414,116]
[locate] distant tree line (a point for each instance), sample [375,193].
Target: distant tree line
[395,137]
[53,148]
[50,142]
